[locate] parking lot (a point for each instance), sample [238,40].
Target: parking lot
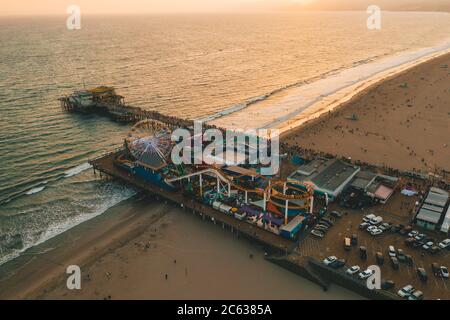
[397,212]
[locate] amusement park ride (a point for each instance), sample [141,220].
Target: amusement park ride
[237,190]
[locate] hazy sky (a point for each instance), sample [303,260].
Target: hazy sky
[27,7]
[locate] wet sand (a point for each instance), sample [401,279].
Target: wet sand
[127,252]
[402,122]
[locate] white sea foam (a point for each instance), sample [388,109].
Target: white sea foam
[77,170]
[58,228]
[293,105]
[35,190]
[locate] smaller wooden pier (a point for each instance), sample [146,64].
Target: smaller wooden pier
[104,100]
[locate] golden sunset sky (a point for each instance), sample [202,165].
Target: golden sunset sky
[45,7]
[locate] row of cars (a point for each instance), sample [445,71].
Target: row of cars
[399,255]
[410,293]
[374,225]
[335,263]
[324,224]
[423,242]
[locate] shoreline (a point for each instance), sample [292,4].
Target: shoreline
[354,92]
[39,265]
[26,274]
[322,100]
[397,123]
[139,240]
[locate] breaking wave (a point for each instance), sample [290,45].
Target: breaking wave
[77,170]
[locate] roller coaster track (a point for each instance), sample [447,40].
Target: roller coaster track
[269,190]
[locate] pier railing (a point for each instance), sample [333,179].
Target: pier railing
[106,154]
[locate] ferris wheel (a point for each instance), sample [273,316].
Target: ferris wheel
[149,142]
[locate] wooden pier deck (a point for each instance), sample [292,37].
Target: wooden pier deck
[121,112]
[269,240]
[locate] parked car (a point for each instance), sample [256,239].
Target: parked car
[380,258]
[327,221]
[366,274]
[409,260]
[413,233]
[376,232]
[387,285]
[434,250]
[321,227]
[406,291]
[418,244]
[347,244]
[416,295]
[336,214]
[392,252]
[354,239]
[364,225]
[363,253]
[422,274]
[435,268]
[369,217]
[371,228]
[319,230]
[420,237]
[317,233]
[385,226]
[444,272]
[329,260]
[427,246]
[338,264]
[401,255]
[394,263]
[395,228]
[376,221]
[445,244]
[353,270]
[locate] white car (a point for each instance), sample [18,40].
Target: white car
[416,295]
[428,245]
[376,221]
[366,274]
[445,244]
[329,260]
[413,234]
[371,228]
[369,217]
[392,252]
[353,270]
[376,232]
[405,292]
[444,272]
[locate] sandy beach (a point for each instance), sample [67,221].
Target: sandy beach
[146,249]
[127,252]
[402,122]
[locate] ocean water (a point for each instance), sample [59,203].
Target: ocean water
[192,66]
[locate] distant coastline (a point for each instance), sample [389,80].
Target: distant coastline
[294,105]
